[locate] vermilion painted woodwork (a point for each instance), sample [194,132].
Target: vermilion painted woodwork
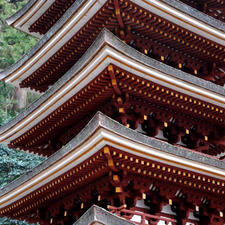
[111,178]
[212,8]
[145,31]
[132,101]
[117,182]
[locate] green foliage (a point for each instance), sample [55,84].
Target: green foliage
[13,43]
[6,102]
[13,164]
[31,97]
[6,221]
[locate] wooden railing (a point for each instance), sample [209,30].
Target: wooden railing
[145,218]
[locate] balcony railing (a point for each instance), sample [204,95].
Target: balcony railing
[140,218]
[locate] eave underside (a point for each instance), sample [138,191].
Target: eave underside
[46,15]
[130,107]
[161,33]
[149,33]
[113,84]
[117,164]
[212,8]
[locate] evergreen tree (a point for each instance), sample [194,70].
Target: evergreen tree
[13,44]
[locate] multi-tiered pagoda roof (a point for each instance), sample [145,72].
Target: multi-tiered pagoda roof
[96,156]
[156,29]
[119,69]
[155,70]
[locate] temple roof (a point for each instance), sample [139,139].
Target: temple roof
[37,17]
[37,69]
[35,10]
[197,13]
[212,8]
[102,131]
[93,155]
[107,50]
[98,215]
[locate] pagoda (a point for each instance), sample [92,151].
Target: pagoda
[131,116]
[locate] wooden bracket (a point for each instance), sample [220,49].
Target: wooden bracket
[110,159]
[118,14]
[113,80]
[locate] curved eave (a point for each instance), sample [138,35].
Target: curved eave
[192,20]
[102,131]
[34,9]
[26,16]
[195,13]
[99,215]
[82,11]
[106,50]
[68,25]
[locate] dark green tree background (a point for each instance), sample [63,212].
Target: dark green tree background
[13,44]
